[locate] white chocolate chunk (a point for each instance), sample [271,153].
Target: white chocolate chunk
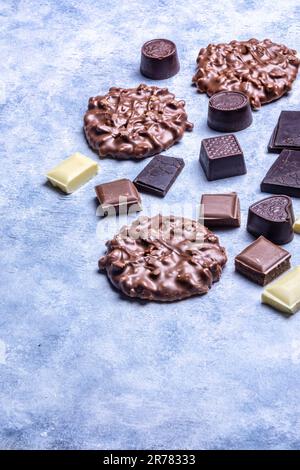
[73,172]
[296,226]
[284,294]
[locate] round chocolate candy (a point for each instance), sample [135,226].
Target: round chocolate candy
[159,59]
[229,111]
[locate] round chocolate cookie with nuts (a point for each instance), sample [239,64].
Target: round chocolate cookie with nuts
[163,259]
[262,70]
[135,122]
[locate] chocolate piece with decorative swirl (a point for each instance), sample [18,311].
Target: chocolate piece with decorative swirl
[135,122]
[163,259]
[263,70]
[273,218]
[159,59]
[284,175]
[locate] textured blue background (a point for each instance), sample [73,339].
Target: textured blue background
[80,367]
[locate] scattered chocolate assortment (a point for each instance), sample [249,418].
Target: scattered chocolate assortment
[158,176]
[164,259]
[222,157]
[135,122]
[172,258]
[273,218]
[263,70]
[229,111]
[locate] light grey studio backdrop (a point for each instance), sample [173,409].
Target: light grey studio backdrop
[81,367]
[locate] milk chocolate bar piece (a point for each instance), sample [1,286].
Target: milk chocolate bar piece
[222,157]
[262,261]
[72,173]
[284,294]
[286,133]
[158,176]
[221,210]
[118,196]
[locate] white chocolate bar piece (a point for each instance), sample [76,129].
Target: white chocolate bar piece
[73,172]
[284,294]
[297,226]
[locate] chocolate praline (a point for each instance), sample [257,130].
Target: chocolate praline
[159,59]
[229,111]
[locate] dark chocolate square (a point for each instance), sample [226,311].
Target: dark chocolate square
[158,176]
[262,261]
[221,210]
[284,175]
[118,195]
[222,157]
[286,133]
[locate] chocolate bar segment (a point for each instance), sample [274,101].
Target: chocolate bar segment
[158,176]
[229,111]
[221,210]
[222,157]
[273,218]
[118,196]
[296,226]
[284,294]
[286,134]
[159,59]
[262,261]
[284,175]
[72,173]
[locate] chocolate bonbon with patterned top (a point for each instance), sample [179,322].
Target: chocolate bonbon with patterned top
[159,59]
[229,111]
[272,217]
[222,157]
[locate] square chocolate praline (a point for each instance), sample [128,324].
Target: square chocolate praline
[221,210]
[118,196]
[222,157]
[262,261]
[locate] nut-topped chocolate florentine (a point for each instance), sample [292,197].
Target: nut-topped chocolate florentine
[135,122]
[263,70]
[163,259]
